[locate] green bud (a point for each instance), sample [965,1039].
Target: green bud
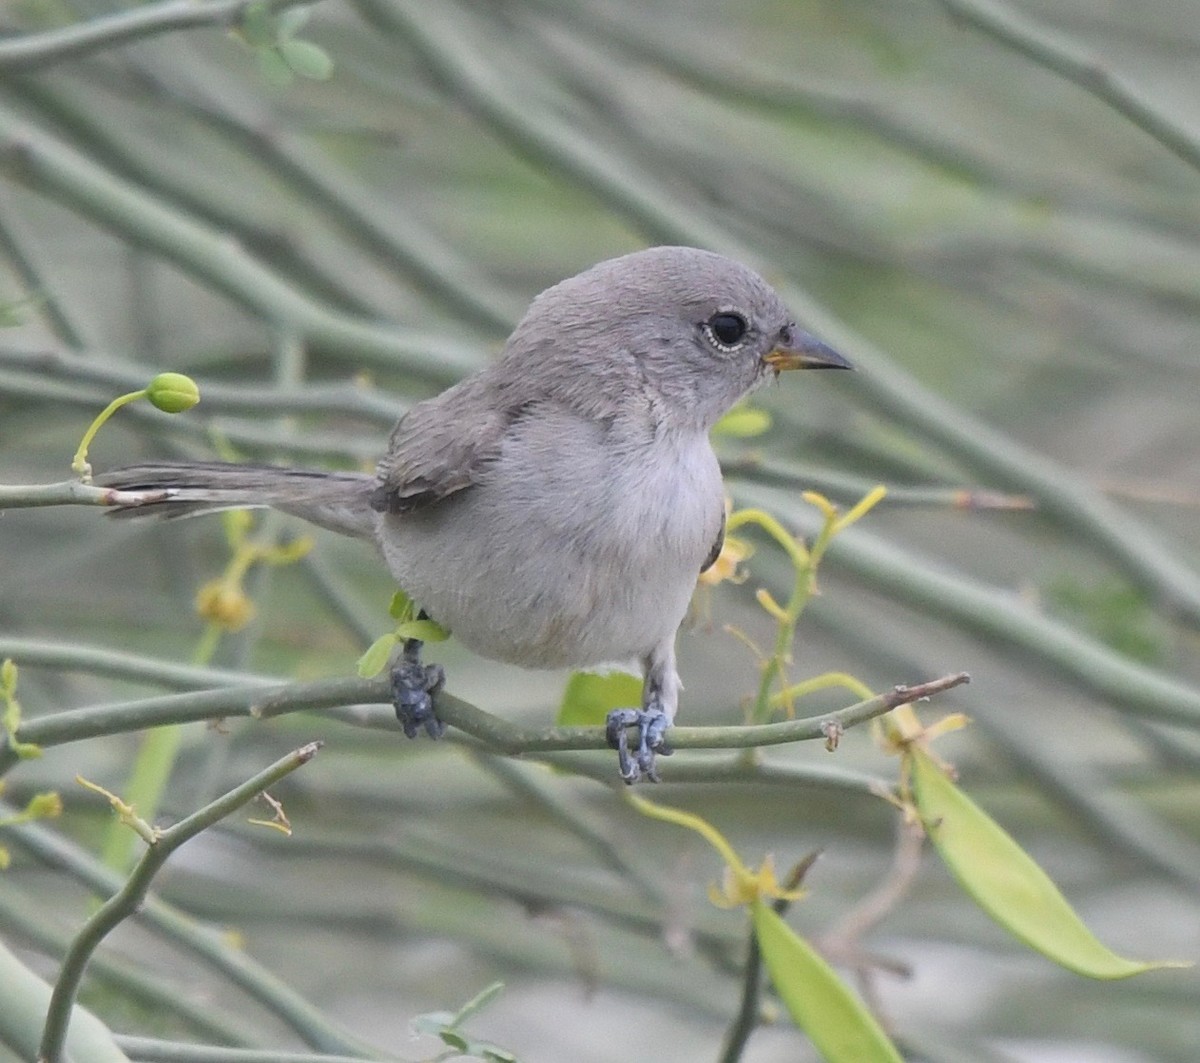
[173,392]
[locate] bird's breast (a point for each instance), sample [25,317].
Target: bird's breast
[580,546]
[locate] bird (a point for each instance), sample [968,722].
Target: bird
[555,508]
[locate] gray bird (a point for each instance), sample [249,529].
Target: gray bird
[554,509]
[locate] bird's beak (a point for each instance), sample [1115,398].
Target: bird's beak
[803,351]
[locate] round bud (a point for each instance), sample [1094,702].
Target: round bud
[173,392]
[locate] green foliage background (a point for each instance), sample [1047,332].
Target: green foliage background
[1010,261]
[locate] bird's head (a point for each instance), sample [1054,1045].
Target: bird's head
[689,330]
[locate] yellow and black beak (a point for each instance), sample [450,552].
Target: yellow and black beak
[802,351]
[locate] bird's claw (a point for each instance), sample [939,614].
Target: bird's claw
[651,727]
[414,686]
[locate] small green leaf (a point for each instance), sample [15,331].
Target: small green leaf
[425,630]
[258,26]
[590,697]
[477,1003]
[306,59]
[432,1022]
[1005,882]
[292,21]
[273,68]
[454,1039]
[820,1003]
[377,656]
[8,676]
[401,607]
[743,422]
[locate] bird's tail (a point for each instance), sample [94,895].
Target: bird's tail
[339,501]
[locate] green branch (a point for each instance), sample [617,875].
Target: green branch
[49,167]
[153,1050]
[122,904]
[37,51]
[497,734]
[999,616]
[1080,67]
[210,945]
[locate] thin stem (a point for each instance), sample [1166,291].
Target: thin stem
[129,898]
[153,1050]
[209,945]
[1082,68]
[41,50]
[747,1017]
[79,464]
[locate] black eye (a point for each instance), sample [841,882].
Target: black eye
[727,329]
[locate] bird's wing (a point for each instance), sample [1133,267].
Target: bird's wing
[717,546]
[441,446]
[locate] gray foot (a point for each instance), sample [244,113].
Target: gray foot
[651,724]
[414,686]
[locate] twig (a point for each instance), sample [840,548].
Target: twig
[115,664]
[207,944]
[70,493]
[1131,687]
[127,900]
[747,1018]
[498,734]
[50,167]
[152,1050]
[1079,66]
[41,50]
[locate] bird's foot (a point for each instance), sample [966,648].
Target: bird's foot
[414,686]
[651,724]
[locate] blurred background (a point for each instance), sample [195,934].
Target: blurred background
[1010,261]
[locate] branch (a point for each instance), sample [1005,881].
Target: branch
[497,734]
[996,614]
[209,945]
[50,167]
[1079,66]
[328,398]
[153,1050]
[71,493]
[126,901]
[41,50]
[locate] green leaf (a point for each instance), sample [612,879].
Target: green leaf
[292,21]
[477,1003]
[590,697]
[819,1002]
[401,607]
[306,59]
[1005,882]
[376,658]
[432,1022]
[258,26]
[425,630]
[743,422]
[274,69]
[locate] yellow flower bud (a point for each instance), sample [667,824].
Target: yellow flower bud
[173,392]
[224,604]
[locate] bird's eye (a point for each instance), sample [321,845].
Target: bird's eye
[727,329]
